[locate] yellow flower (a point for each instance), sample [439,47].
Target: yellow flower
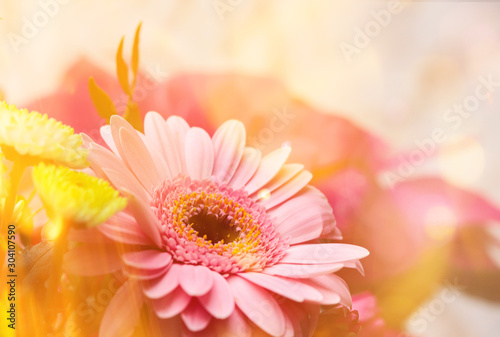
[75,197]
[35,137]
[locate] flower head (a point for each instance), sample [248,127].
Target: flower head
[76,197]
[203,245]
[35,137]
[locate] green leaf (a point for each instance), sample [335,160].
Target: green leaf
[102,102]
[122,69]
[135,52]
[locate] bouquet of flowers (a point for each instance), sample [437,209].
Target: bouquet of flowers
[216,205]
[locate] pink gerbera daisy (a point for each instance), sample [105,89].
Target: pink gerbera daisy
[216,239]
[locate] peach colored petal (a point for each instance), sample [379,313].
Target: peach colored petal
[81,260]
[323,253]
[172,304]
[229,143]
[199,153]
[288,190]
[139,159]
[269,166]
[287,172]
[289,288]
[145,218]
[249,163]
[218,301]
[195,317]
[163,285]
[122,314]
[177,129]
[302,271]
[195,280]
[258,305]
[147,259]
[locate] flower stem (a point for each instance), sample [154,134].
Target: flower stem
[16,175]
[60,246]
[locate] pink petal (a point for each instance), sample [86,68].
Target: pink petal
[218,301]
[195,317]
[287,172]
[145,218]
[289,288]
[323,253]
[330,228]
[123,312]
[269,166]
[229,142]
[172,304]
[366,305]
[289,328]
[139,160]
[145,274]
[246,169]
[147,259]
[127,182]
[108,138]
[303,217]
[199,154]
[356,264]
[334,234]
[235,325]
[123,228]
[177,129]
[195,280]
[116,123]
[302,270]
[81,260]
[288,190]
[158,159]
[332,287]
[258,305]
[86,140]
[303,317]
[209,331]
[164,285]
[101,157]
[155,130]
[293,318]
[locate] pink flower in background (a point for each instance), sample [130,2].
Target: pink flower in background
[214,232]
[372,324]
[362,320]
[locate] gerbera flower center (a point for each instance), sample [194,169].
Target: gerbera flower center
[223,229]
[212,228]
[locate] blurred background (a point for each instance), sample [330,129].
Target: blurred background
[401,70]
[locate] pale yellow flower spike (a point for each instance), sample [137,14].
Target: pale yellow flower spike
[75,198]
[33,137]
